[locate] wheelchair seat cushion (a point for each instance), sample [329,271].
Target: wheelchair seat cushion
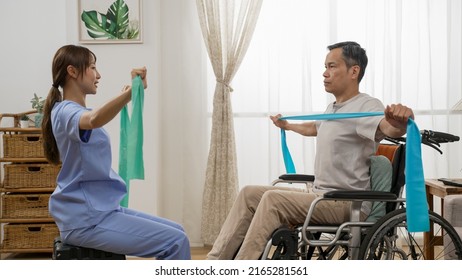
[381,181]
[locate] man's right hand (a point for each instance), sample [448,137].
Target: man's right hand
[279,123]
[305,129]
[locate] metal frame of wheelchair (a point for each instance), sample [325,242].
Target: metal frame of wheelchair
[359,240]
[387,238]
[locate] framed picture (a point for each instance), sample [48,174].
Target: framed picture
[110,21]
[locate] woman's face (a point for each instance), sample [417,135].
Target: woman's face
[90,79]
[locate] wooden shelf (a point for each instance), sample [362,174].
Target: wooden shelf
[27,221]
[37,250]
[24,160]
[18,132]
[27,190]
[19,129]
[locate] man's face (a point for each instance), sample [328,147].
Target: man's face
[337,77]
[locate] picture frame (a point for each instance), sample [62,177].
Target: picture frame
[110,21]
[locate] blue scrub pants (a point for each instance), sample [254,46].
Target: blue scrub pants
[130,232]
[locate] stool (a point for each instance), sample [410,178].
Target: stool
[62,251]
[453,214]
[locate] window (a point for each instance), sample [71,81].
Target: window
[414,50]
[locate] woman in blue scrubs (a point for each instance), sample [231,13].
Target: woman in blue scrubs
[86,202]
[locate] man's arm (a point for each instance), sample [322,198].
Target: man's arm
[394,123]
[305,129]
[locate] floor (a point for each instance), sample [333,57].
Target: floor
[197,253]
[200,253]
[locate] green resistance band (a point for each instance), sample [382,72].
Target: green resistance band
[131,162]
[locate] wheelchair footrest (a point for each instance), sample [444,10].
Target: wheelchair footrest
[62,251]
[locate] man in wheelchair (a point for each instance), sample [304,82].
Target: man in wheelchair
[343,160]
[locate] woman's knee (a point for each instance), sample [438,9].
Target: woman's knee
[176,236]
[180,239]
[179,248]
[177,226]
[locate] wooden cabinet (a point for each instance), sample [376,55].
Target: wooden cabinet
[27,183]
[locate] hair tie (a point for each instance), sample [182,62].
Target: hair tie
[55,86]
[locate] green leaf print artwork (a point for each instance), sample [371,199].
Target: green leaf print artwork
[115,24]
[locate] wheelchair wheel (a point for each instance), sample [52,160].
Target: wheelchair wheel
[389,239]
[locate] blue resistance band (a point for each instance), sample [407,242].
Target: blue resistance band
[416,203]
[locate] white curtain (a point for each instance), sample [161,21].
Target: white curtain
[227,27]
[414,49]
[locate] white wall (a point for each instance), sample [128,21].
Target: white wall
[175,117]
[184,115]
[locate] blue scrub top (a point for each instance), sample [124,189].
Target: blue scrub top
[88,188]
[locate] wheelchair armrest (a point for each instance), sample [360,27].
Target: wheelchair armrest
[361,195]
[297,177]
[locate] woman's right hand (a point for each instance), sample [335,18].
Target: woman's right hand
[142,73]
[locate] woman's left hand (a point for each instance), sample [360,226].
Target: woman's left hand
[142,73]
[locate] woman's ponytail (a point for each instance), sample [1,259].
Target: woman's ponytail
[49,141]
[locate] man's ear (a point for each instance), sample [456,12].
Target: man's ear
[72,71]
[355,71]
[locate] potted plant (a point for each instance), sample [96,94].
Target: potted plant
[24,121]
[37,104]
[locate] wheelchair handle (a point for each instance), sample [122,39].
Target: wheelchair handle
[430,138]
[439,137]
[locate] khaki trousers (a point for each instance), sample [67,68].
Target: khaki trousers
[259,210]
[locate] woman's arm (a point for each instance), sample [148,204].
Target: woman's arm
[101,116]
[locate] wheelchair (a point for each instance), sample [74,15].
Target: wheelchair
[387,238]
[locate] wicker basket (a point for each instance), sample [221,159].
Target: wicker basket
[19,175]
[25,206]
[23,146]
[29,236]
